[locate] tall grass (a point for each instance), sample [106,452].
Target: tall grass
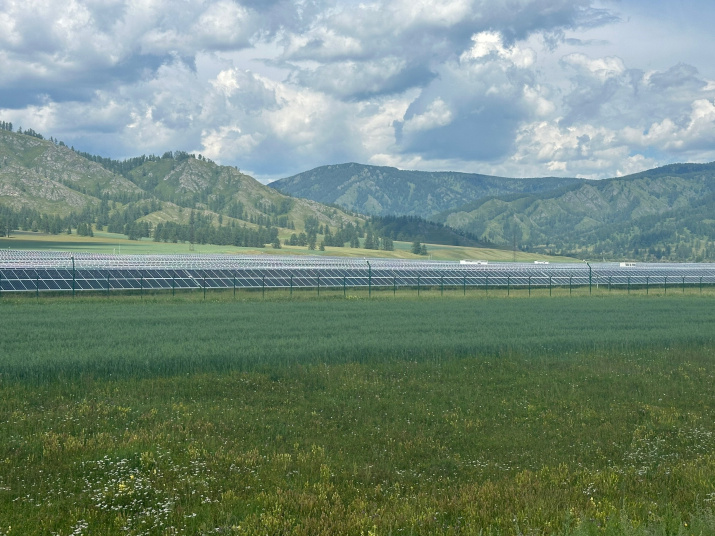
[59,338]
[503,417]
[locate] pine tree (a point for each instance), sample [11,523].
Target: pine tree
[369,241]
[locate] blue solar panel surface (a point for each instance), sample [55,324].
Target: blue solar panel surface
[37,271]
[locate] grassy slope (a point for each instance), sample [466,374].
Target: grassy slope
[54,179]
[114,243]
[169,179]
[549,416]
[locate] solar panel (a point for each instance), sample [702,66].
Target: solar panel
[33,271]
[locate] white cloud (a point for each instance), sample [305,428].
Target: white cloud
[601,68]
[529,87]
[491,42]
[436,115]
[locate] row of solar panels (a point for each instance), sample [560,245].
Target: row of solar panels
[43,279]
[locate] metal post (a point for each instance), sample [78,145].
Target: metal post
[0,283]
[204,285]
[344,291]
[234,284]
[418,286]
[141,286]
[108,282]
[683,284]
[701,284]
[486,286]
[394,286]
[37,284]
[441,285]
[665,285]
[369,279]
[570,279]
[263,285]
[589,278]
[291,285]
[173,283]
[549,285]
[628,283]
[508,281]
[318,284]
[609,283]
[646,285]
[529,285]
[464,285]
[73,278]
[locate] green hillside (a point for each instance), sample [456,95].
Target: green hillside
[389,191]
[665,213]
[47,186]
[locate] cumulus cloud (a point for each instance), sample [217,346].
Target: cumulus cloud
[279,86]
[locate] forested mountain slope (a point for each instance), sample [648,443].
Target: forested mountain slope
[389,191]
[667,212]
[50,182]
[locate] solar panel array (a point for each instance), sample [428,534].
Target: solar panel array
[39,271]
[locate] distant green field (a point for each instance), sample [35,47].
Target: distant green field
[550,416]
[115,243]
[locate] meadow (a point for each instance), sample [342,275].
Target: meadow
[568,416]
[104,242]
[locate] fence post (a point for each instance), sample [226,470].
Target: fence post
[549,285]
[107,282]
[318,284]
[486,286]
[701,284]
[37,283]
[291,285]
[234,284]
[665,285]
[204,285]
[394,286]
[441,285]
[508,284]
[529,285]
[369,279]
[683,284]
[570,279]
[464,285]
[628,283]
[0,283]
[646,285]
[173,283]
[344,291]
[418,286]
[263,287]
[141,286]
[609,283]
[73,278]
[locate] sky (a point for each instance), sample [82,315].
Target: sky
[517,88]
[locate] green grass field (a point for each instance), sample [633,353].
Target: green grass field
[104,242]
[438,415]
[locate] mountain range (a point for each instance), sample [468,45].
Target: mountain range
[667,213]
[664,213]
[47,186]
[388,191]
[51,178]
